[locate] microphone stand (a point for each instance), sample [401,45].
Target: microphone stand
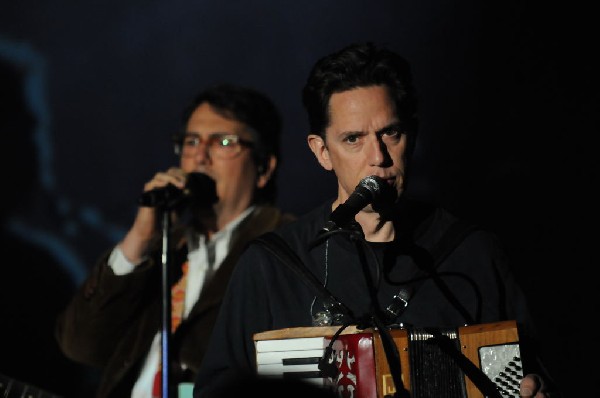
[202,190]
[164,201]
[165,333]
[389,346]
[356,235]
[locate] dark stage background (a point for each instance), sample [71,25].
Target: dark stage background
[508,102]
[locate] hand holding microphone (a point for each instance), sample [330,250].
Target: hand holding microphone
[370,190]
[199,189]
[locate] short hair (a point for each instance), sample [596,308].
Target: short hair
[257,111]
[360,65]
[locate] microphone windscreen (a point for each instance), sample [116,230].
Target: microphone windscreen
[201,190]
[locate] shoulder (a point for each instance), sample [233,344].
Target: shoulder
[262,219]
[431,225]
[306,227]
[297,231]
[271,215]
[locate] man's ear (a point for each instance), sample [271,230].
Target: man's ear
[318,147]
[265,171]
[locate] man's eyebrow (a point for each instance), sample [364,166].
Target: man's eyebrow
[391,126]
[211,133]
[351,132]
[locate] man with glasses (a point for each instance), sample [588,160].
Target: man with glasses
[230,136]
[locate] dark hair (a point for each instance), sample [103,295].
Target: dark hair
[360,65]
[255,110]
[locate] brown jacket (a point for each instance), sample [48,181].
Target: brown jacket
[111,321]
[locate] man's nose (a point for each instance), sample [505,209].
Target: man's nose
[377,151]
[202,151]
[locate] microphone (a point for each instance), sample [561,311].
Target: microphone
[371,189]
[199,188]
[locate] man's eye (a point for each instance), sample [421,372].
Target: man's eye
[226,141]
[351,138]
[393,133]
[191,141]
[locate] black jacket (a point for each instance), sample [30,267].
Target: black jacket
[473,284]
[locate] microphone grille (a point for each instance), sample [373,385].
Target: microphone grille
[372,183]
[382,193]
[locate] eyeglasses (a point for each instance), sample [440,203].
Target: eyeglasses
[222,145]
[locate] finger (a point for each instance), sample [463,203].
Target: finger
[529,387]
[162,179]
[178,176]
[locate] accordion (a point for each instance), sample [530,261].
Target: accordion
[464,362]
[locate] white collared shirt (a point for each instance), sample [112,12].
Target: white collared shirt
[204,258]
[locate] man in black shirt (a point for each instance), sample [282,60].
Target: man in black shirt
[371,243]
